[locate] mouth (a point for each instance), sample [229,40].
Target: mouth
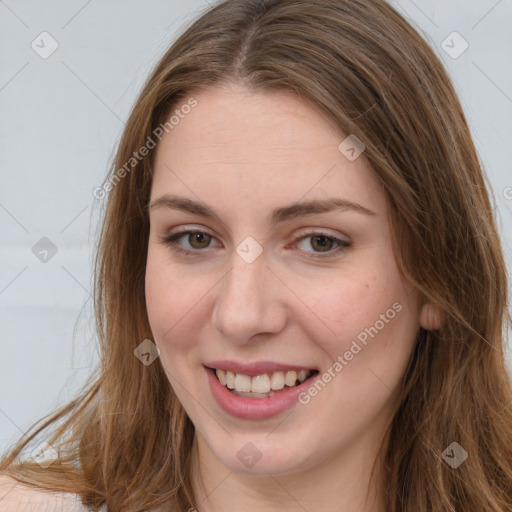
[265,385]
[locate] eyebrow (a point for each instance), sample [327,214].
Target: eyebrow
[281,214]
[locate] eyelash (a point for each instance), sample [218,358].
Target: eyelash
[172,241]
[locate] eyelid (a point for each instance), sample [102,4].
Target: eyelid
[186,228]
[316,231]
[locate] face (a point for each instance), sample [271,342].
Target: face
[270,253]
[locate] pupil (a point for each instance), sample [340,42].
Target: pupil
[199,238]
[326,242]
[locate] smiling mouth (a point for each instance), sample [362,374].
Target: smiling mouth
[262,386]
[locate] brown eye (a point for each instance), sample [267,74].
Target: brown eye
[199,240]
[321,243]
[189,242]
[194,242]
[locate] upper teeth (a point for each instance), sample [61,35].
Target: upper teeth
[261,383]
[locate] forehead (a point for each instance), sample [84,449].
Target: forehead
[260,149]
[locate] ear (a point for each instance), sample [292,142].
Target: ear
[431,318]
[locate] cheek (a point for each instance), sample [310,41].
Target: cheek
[167,296]
[168,300]
[369,306]
[159,294]
[372,331]
[174,299]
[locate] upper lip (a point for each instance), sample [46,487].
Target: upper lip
[254,368]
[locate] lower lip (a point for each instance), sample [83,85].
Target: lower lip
[255,408]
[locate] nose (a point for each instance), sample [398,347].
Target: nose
[249,302]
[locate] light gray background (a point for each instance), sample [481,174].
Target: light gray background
[60,119]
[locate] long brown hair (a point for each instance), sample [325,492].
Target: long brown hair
[126,440]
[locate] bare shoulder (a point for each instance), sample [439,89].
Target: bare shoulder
[17,497]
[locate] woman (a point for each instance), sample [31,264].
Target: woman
[301,295]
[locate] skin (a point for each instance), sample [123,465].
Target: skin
[245,153]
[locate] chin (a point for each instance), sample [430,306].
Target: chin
[263,453]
